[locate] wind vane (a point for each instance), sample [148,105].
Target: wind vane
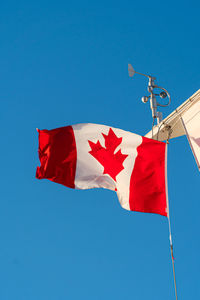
[152,97]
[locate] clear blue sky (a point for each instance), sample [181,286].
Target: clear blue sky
[65,62]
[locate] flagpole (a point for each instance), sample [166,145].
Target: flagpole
[172,257]
[169,223]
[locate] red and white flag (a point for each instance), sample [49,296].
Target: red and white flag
[86,156]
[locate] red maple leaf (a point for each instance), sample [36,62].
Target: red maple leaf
[112,162]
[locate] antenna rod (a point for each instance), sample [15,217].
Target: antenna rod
[149,76]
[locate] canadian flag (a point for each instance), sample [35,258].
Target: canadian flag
[86,156]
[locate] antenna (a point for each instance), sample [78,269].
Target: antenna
[153,101]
